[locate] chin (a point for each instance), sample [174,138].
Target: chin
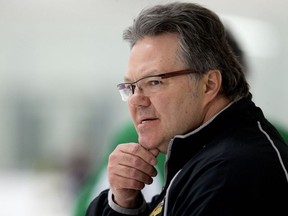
[146,143]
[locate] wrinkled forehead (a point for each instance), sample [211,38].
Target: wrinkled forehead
[153,55]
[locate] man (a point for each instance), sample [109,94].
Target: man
[188,98]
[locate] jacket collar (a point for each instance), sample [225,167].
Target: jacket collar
[183,147]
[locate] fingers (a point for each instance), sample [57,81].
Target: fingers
[131,166]
[140,151]
[133,173]
[155,152]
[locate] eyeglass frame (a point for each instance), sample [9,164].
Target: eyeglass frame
[162,76]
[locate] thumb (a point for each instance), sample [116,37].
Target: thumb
[155,151]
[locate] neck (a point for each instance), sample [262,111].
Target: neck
[215,106]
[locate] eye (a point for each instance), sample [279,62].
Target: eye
[151,84]
[154,82]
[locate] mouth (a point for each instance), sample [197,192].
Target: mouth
[147,120]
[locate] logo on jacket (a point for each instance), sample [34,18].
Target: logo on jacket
[158,209]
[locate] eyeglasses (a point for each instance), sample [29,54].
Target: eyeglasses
[148,84]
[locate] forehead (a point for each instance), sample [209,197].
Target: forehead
[153,55]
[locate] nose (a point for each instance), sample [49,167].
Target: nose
[138,98]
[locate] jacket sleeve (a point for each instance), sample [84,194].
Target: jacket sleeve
[103,205]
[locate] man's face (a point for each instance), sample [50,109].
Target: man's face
[177,107]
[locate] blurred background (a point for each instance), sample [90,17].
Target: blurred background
[60,61]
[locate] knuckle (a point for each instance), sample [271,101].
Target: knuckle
[135,149]
[137,162]
[137,185]
[113,156]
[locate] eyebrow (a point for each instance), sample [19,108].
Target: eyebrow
[152,73]
[127,80]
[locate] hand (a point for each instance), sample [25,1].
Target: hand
[130,167]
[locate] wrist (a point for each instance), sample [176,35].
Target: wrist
[132,202]
[127,211]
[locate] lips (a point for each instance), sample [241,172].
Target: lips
[147,120]
[143,120]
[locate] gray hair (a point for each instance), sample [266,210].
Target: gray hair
[203,44]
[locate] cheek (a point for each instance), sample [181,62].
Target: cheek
[170,108]
[163,104]
[132,111]
[188,112]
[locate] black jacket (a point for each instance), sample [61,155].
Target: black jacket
[234,165]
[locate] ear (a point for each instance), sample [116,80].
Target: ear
[213,82]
